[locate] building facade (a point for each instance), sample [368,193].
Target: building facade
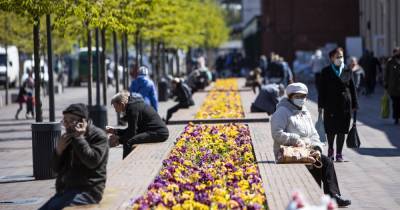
[290,25]
[380,25]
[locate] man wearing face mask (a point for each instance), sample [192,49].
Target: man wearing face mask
[337,98]
[392,81]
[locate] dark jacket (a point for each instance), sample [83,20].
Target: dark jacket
[337,96]
[83,164]
[267,98]
[141,118]
[184,94]
[392,77]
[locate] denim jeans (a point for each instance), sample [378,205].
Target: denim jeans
[68,198]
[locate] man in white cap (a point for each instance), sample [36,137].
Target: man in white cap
[144,86]
[291,125]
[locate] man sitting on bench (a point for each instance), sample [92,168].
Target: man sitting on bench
[144,124]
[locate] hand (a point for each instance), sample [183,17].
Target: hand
[110,130]
[316,154]
[63,143]
[300,143]
[113,141]
[80,129]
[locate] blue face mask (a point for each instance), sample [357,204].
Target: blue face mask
[299,101]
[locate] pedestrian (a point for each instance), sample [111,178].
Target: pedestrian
[183,96]
[29,86]
[370,64]
[263,65]
[318,62]
[144,124]
[80,161]
[267,98]
[288,75]
[291,125]
[144,86]
[337,98]
[254,79]
[358,73]
[392,82]
[21,99]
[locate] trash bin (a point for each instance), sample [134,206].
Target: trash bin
[44,140]
[98,114]
[163,90]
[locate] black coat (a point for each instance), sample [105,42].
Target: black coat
[83,164]
[141,118]
[184,95]
[337,96]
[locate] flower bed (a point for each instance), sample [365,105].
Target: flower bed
[210,167]
[222,102]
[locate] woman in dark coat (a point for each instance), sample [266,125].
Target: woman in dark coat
[337,97]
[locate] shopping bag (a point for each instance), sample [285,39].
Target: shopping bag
[319,126]
[385,107]
[353,140]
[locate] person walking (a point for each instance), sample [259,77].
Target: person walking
[144,124]
[337,98]
[291,125]
[318,62]
[144,86]
[29,86]
[21,99]
[392,82]
[370,65]
[358,73]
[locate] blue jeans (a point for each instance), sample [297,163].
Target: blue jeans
[68,198]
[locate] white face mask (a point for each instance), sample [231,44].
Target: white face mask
[299,101]
[339,61]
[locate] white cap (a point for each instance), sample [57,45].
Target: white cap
[143,70]
[297,87]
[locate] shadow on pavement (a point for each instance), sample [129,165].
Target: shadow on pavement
[379,152]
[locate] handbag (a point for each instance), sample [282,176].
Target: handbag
[353,140]
[385,107]
[291,154]
[319,126]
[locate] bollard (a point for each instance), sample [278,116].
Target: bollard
[44,141]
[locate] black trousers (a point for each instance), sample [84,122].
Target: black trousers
[326,175]
[145,137]
[396,106]
[174,109]
[339,141]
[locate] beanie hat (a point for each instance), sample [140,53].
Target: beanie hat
[297,87]
[78,110]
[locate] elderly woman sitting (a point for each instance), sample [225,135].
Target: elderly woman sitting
[291,125]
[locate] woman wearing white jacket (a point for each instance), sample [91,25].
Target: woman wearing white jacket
[291,125]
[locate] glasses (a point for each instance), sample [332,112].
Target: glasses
[69,122]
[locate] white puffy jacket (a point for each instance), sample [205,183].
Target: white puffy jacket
[290,126]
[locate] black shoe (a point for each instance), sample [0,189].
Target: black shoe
[341,202]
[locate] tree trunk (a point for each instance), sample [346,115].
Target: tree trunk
[123,61]
[36,48]
[158,61]
[90,62]
[126,62]
[103,65]
[178,69]
[141,50]
[116,72]
[50,69]
[7,82]
[137,64]
[163,69]
[97,68]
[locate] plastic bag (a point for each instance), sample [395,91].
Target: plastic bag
[319,126]
[385,107]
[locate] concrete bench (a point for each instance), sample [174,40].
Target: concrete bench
[131,177]
[281,180]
